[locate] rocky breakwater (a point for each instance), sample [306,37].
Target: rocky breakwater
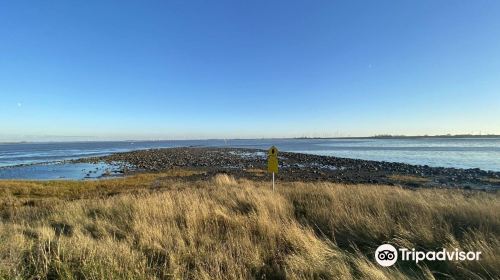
[251,163]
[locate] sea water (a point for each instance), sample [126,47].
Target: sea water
[483,153]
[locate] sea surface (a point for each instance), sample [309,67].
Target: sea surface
[17,159]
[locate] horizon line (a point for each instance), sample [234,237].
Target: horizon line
[381,136]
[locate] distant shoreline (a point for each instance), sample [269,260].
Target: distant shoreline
[461,136]
[408,137]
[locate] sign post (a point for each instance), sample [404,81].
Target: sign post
[272,161]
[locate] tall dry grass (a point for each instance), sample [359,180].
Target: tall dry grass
[159,226]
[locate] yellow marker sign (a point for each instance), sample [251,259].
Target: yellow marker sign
[272,160]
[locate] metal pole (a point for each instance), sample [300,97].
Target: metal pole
[273,181]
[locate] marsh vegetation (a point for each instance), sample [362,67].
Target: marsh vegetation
[161,226]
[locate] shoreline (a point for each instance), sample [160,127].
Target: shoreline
[457,153]
[251,164]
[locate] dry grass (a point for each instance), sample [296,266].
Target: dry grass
[257,172]
[158,226]
[409,179]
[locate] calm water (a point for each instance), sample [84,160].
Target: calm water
[483,153]
[55,171]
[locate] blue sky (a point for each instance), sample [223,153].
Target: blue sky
[84,70]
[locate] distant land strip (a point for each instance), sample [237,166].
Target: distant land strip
[388,136]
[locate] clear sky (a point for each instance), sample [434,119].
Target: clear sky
[84,70]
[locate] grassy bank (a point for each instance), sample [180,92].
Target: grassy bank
[162,226]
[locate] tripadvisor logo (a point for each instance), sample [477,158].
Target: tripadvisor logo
[387,255]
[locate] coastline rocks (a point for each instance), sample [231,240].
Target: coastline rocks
[243,163]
